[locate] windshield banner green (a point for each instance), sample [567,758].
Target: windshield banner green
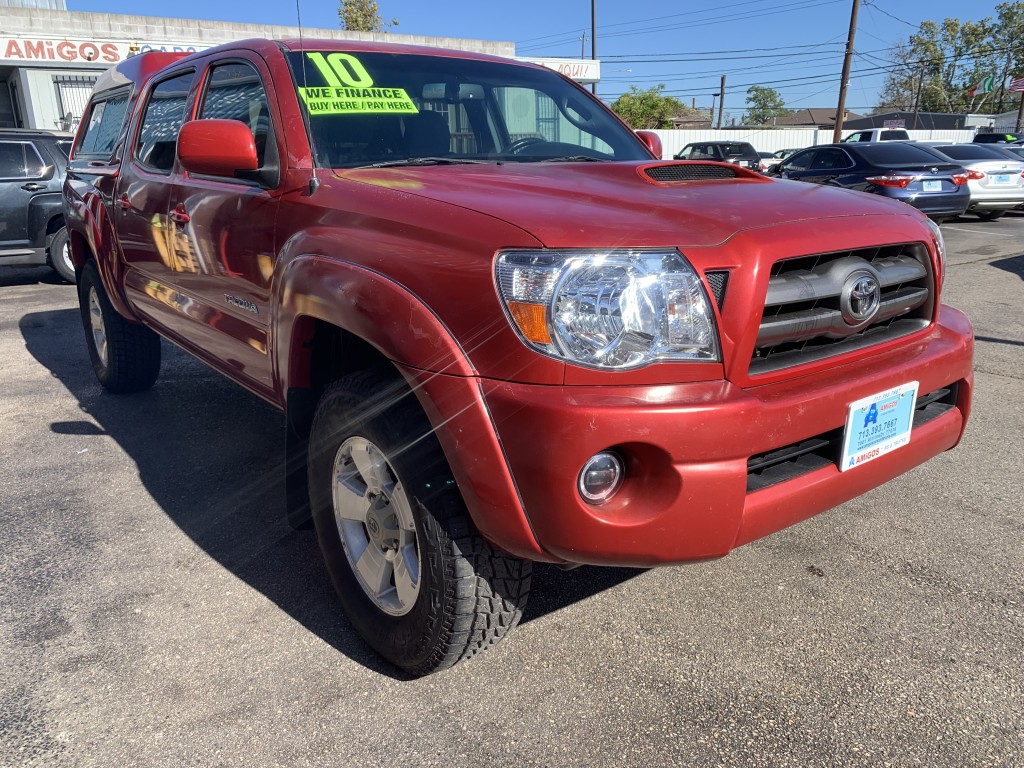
[350,89]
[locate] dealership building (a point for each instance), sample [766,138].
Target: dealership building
[50,57]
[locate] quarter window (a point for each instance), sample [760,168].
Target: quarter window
[103,127]
[20,160]
[165,113]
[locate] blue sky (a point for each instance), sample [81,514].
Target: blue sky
[695,42]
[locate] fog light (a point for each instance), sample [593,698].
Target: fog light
[600,477]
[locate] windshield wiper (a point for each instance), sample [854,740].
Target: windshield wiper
[424,161]
[575,159]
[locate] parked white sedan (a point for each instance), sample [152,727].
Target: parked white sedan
[996,182]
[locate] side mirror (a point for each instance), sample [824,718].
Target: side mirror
[652,141]
[217,147]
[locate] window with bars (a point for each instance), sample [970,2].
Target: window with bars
[72,98]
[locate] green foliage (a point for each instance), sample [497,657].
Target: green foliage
[946,61]
[650,108]
[362,16]
[763,104]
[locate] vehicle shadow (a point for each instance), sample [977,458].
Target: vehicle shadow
[1013,264]
[41,275]
[211,455]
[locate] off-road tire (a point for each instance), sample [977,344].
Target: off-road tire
[470,595]
[130,361]
[58,260]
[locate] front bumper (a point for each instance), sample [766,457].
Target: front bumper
[687,446]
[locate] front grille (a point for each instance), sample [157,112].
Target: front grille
[807,312]
[690,172]
[822,450]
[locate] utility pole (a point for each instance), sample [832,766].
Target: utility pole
[583,45]
[917,97]
[837,134]
[593,39]
[721,102]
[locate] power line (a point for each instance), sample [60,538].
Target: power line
[799,5]
[642,21]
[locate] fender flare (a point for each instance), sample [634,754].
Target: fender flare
[367,304]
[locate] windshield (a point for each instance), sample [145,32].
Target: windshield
[382,109]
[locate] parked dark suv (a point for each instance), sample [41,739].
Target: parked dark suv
[998,138]
[738,152]
[32,168]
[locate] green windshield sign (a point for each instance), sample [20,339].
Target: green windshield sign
[350,89]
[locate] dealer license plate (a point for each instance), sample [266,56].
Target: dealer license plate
[878,424]
[932,186]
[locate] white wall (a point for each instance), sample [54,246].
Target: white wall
[773,139]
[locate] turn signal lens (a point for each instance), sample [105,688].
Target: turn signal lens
[531,320]
[892,180]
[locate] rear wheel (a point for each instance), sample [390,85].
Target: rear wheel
[125,355]
[416,580]
[60,255]
[990,215]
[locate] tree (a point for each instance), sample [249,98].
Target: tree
[940,64]
[650,108]
[763,104]
[362,16]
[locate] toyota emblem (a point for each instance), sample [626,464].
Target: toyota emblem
[860,298]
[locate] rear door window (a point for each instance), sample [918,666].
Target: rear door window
[165,112]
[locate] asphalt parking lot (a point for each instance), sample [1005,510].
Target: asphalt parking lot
[157,611]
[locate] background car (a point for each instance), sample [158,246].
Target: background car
[915,174]
[738,152]
[776,157]
[995,181]
[1013,151]
[877,134]
[32,168]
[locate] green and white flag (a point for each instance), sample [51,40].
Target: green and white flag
[987,85]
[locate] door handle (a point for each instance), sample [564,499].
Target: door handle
[124,202]
[179,215]
[33,187]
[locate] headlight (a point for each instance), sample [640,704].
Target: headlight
[608,309]
[940,246]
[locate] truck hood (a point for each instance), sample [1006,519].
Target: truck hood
[615,204]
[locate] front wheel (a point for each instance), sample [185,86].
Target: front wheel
[416,580]
[125,355]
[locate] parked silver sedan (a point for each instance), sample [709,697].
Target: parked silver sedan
[995,180]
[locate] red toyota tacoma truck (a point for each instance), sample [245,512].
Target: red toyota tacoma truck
[501,329]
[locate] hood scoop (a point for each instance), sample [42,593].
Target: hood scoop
[673,173]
